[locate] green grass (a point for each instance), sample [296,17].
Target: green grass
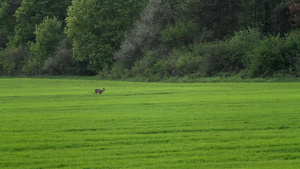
[60,123]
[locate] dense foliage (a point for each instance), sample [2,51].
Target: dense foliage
[97,27]
[150,39]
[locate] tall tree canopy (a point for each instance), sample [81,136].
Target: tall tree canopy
[7,19]
[32,13]
[217,15]
[97,28]
[179,36]
[48,34]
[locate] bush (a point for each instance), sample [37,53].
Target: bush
[180,62]
[228,56]
[239,46]
[62,62]
[146,65]
[199,59]
[268,57]
[181,34]
[215,59]
[247,53]
[292,43]
[185,62]
[119,70]
[12,60]
[152,67]
[30,67]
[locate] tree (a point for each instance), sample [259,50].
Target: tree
[12,60]
[217,15]
[281,17]
[62,63]
[32,13]
[48,35]
[97,28]
[7,20]
[146,31]
[294,8]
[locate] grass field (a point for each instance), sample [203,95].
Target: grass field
[60,123]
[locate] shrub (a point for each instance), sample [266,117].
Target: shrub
[239,46]
[185,62]
[146,65]
[183,33]
[292,43]
[30,67]
[12,60]
[180,62]
[268,57]
[62,62]
[215,59]
[119,70]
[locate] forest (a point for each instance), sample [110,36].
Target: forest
[150,39]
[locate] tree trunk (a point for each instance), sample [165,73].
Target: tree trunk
[245,22]
[266,10]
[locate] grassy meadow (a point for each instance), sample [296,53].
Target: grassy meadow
[60,123]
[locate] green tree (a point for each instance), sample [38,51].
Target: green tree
[217,15]
[7,19]
[294,9]
[32,13]
[98,27]
[270,15]
[62,63]
[12,60]
[267,58]
[146,32]
[48,35]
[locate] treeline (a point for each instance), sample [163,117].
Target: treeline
[150,39]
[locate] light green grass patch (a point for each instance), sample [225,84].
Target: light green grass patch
[60,123]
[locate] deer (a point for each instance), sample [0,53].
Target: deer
[99,91]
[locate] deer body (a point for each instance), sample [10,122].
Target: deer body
[99,91]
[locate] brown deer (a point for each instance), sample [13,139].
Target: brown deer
[99,91]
